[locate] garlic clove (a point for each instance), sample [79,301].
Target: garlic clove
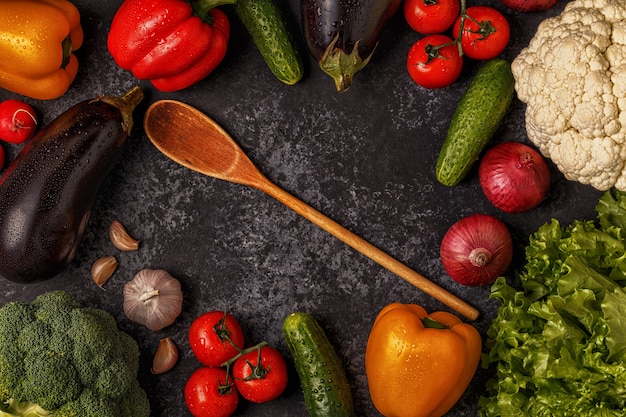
[102,269]
[120,237]
[153,298]
[165,357]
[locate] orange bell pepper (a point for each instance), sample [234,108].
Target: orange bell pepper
[419,364]
[37,38]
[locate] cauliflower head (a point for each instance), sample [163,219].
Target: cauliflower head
[60,359]
[572,77]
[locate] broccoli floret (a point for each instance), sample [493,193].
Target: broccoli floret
[60,359]
[136,401]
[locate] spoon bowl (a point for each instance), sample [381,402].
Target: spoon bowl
[194,140]
[189,137]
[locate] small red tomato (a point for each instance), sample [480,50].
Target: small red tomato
[208,393]
[215,337]
[431,16]
[260,375]
[486,32]
[434,61]
[18,121]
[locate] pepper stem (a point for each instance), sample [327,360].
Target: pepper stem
[67,50]
[201,8]
[430,323]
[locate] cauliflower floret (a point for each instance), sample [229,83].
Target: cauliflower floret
[572,77]
[593,161]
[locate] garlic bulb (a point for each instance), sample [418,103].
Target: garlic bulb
[153,298]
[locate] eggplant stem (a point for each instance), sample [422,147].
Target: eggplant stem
[342,66]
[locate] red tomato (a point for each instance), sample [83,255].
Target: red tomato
[431,16]
[486,32]
[18,121]
[260,375]
[215,337]
[433,65]
[208,393]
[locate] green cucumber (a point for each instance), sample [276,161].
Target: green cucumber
[322,377]
[476,119]
[269,30]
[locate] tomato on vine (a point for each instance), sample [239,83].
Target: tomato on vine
[486,32]
[431,16]
[210,393]
[434,61]
[215,337]
[261,374]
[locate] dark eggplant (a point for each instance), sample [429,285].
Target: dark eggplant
[47,193]
[343,34]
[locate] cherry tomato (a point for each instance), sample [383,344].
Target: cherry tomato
[18,121]
[486,32]
[433,65]
[215,337]
[209,393]
[431,16]
[260,375]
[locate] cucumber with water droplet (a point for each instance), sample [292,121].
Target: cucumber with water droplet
[265,22]
[476,118]
[322,377]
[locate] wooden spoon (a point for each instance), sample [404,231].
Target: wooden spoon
[191,138]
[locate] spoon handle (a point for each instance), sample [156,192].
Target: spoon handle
[369,250]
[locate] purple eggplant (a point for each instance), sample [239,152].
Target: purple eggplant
[48,191]
[342,35]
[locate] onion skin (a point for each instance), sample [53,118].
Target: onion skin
[529,5]
[514,177]
[477,234]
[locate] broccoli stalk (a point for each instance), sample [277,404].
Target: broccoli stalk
[60,359]
[24,409]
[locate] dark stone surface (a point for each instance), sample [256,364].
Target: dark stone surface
[364,158]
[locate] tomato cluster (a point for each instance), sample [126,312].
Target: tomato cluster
[436,60]
[18,122]
[258,373]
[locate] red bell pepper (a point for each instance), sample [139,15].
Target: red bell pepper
[172,43]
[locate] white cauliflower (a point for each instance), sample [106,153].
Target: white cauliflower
[572,77]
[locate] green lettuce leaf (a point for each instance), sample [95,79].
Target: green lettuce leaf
[614,310]
[558,344]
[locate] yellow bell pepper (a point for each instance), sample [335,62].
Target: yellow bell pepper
[37,38]
[419,364]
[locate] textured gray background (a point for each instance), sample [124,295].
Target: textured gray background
[365,158]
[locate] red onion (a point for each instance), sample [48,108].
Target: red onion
[476,250]
[514,177]
[529,5]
